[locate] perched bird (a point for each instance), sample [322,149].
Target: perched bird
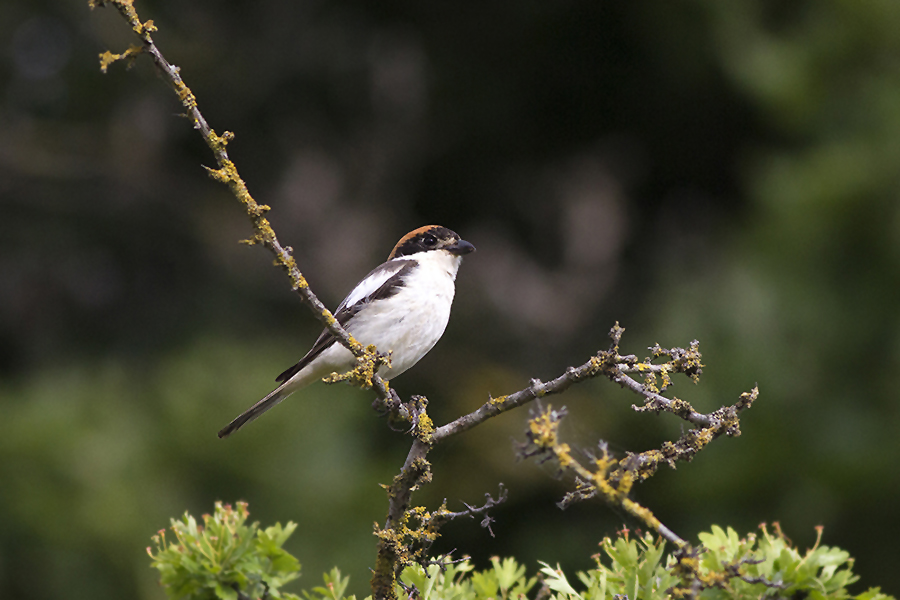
[402,307]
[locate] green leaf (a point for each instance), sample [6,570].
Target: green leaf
[209,559]
[556,580]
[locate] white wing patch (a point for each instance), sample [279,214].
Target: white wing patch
[372,282]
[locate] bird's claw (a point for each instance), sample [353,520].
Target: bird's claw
[416,409]
[397,410]
[393,408]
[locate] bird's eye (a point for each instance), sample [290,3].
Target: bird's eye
[429,240]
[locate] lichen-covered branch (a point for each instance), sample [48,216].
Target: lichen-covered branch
[368,358]
[604,477]
[610,364]
[610,478]
[643,465]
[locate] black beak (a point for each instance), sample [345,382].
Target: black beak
[460,247]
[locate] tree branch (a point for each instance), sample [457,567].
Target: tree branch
[612,479]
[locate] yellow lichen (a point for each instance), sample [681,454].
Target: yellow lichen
[424,428]
[543,430]
[498,400]
[147,27]
[681,408]
[107,58]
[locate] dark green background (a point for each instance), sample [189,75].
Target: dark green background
[726,171]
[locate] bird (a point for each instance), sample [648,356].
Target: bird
[402,306]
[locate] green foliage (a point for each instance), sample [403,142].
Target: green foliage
[778,563]
[504,580]
[636,569]
[821,572]
[334,589]
[224,555]
[729,568]
[208,561]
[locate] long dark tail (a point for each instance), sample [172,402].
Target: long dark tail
[279,394]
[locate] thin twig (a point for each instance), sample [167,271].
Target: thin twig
[489,503]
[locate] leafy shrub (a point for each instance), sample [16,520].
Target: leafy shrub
[223,556]
[227,559]
[729,567]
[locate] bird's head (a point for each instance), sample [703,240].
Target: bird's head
[429,238]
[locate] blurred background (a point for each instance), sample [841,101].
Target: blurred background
[728,172]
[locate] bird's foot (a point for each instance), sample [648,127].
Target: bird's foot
[393,408]
[399,413]
[420,423]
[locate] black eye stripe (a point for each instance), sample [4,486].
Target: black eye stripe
[424,239]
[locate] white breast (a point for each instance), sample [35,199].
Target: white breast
[411,322]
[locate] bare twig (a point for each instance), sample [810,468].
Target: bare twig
[489,503]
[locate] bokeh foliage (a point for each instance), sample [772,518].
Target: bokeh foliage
[694,169]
